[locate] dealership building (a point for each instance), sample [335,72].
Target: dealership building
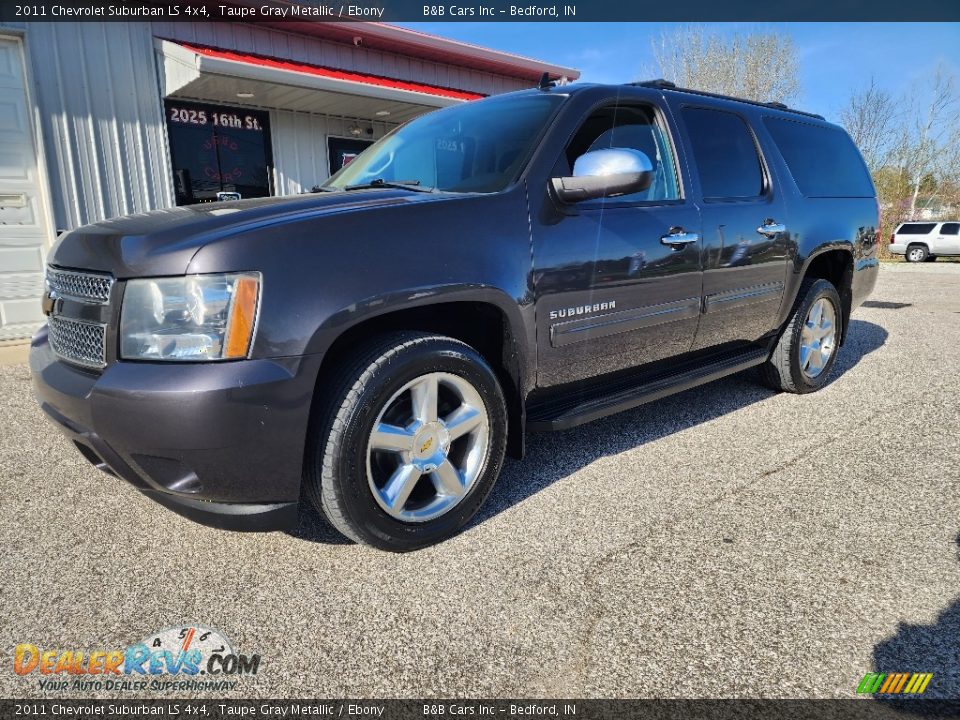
[105,119]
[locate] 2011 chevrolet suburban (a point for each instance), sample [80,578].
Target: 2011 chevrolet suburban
[525,262]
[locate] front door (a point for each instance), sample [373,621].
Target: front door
[611,293]
[745,228]
[948,242]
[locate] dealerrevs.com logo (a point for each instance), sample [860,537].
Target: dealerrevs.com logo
[189,657]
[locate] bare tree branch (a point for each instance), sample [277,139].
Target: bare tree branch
[870,118]
[756,66]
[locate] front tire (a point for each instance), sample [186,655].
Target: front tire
[806,350]
[410,443]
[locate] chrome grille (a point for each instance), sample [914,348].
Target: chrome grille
[78,342]
[90,287]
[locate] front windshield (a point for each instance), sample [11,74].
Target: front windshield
[475,147]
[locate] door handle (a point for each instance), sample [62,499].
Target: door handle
[770,228]
[678,237]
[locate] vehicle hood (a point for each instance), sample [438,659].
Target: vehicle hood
[164,241]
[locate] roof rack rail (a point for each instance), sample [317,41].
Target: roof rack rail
[662,84]
[658,83]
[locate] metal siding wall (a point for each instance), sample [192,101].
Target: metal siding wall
[275,43]
[102,120]
[300,147]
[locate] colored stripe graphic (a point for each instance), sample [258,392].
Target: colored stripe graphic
[891,679]
[894,683]
[870,683]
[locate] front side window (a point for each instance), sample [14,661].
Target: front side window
[637,128]
[950,229]
[725,153]
[479,146]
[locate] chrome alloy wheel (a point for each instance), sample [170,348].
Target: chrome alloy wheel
[818,338]
[915,254]
[427,447]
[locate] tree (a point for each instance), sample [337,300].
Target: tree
[870,117]
[757,66]
[931,139]
[911,145]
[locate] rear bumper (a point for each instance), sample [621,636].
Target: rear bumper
[220,443]
[897,248]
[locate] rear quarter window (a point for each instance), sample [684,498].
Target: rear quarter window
[916,228]
[823,160]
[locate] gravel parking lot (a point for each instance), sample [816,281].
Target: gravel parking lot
[728,541]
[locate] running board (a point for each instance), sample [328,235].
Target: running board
[627,393]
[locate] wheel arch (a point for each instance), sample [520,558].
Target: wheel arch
[483,323]
[833,263]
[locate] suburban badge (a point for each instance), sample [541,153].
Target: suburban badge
[582,310]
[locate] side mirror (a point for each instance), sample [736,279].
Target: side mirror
[605,173]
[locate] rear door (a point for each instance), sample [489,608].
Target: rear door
[745,226]
[24,228]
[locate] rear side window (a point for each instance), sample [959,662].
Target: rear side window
[823,161]
[725,153]
[916,228]
[950,229]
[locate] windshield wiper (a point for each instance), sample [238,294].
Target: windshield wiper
[401,184]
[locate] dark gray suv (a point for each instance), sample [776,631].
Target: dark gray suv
[526,262]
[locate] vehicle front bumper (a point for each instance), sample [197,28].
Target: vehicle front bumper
[220,443]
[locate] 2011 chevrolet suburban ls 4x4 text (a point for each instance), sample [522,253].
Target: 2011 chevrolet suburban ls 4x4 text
[529,261]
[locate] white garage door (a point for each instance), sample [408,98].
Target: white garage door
[24,229]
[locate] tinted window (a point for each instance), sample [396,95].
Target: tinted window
[823,161]
[629,127]
[916,228]
[950,229]
[725,153]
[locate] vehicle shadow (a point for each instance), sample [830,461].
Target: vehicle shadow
[553,456]
[926,648]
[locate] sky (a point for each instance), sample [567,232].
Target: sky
[835,59]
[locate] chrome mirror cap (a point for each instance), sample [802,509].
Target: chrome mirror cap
[611,161]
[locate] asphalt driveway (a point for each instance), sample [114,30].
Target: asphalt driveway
[728,541]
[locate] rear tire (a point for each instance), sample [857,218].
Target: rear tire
[917,253]
[806,349]
[441,434]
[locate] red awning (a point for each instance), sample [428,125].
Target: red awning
[332,73]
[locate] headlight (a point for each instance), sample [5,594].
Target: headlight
[197,317]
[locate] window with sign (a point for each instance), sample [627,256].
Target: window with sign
[343,151]
[218,152]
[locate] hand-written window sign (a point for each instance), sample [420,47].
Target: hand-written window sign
[192,116]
